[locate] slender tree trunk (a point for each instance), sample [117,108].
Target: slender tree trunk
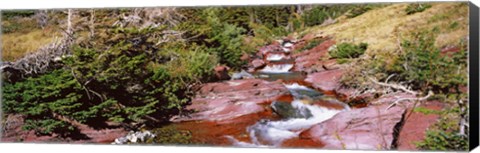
[69,21]
[92,23]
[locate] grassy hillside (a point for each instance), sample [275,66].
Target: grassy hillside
[382,28]
[21,35]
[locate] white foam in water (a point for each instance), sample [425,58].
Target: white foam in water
[275,57]
[288,44]
[286,50]
[273,133]
[280,68]
[296,86]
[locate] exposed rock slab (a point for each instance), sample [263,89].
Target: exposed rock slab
[231,99]
[371,128]
[326,81]
[416,124]
[13,133]
[308,60]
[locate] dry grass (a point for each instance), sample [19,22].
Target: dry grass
[382,28]
[16,45]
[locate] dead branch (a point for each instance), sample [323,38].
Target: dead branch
[41,60]
[396,102]
[395,86]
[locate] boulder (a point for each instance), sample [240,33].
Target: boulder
[327,81]
[258,63]
[242,75]
[221,72]
[287,111]
[245,57]
[310,58]
[232,99]
[371,128]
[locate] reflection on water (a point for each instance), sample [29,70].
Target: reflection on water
[286,76]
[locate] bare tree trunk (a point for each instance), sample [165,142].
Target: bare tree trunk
[463,116]
[69,21]
[92,23]
[299,9]
[42,18]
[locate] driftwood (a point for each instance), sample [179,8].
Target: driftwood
[39,61]
[394,86]
[44,59]
[396,102]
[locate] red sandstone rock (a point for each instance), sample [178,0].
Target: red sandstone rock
[389,98]
[221,72]
[308,37]
[258,63]
[449,50]
[13,133]
[311,59]
[416,124]
[245,57]
[327,81]
[371,128]
[231,99]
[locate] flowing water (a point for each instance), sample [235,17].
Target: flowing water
[284,119]
[308,107]
[280,68]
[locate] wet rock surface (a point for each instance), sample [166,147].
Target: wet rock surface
[327,81]
[371,128]
[286,110]
[230,99]
[314,59]
[416,123]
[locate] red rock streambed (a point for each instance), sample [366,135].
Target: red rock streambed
[291,103]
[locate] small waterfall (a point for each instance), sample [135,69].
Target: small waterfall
[297,117]
[275,57]
[300,91]
[273,133]
[280,68]
[287,47]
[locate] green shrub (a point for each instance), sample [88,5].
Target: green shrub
[43,100]
[17,13]
[441,140]
[359,10]
[125,77]
[172,136]
[444,135]
[318,14]
[221,39]
[312,44]
[416,7]
[423,65]
[348,50]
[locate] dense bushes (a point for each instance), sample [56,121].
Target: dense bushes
[43,100]
[318,14]
[348,50]
[425,67]
[441,140]
[17,13]
[421,66]
[131,81]
[416,7]
[359,10]
[444,135]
